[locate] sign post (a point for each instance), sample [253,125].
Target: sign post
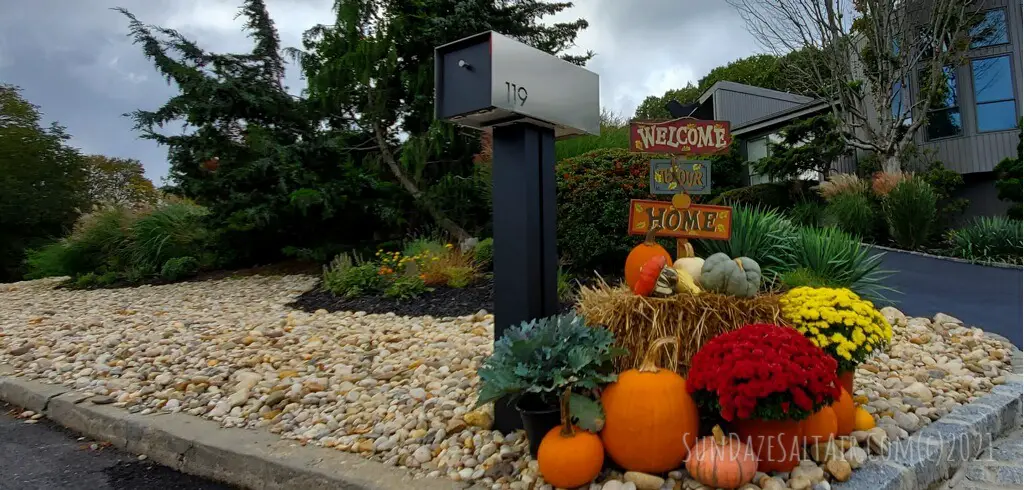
[529,98]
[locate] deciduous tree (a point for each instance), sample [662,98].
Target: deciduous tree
[118,181]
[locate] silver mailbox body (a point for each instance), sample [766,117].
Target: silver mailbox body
[489,79]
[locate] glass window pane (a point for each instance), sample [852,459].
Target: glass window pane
[995,116]
[757,149]
[992,79]
[947,91]
[990,30]
[944,123]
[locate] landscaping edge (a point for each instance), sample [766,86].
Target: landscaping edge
[252,459]
[936,452]
[1000,265]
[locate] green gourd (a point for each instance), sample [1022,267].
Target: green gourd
[737,277]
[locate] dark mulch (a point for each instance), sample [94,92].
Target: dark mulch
[441,302]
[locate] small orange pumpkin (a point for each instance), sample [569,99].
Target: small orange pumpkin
[650,419]
[721,462]
[568,456]
[641,254]
[820,427]
[862,420]
[649,274]
[845,413]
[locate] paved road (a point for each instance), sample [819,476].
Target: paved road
[982,296]
[43,456]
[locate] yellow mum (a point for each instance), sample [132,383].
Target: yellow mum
[837,320]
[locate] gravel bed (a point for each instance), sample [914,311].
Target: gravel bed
[395,388]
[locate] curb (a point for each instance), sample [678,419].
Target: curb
[252,459]
[998,265]
[937,451]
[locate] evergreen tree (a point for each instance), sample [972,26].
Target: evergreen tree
[808,145]
[372,71]
[254,154]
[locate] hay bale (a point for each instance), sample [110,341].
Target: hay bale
[638,321]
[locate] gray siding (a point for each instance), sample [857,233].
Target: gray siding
[974,152]
[738,107]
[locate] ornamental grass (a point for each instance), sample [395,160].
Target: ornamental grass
[638,321]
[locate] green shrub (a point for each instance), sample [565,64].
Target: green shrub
[594,190]
[1010,173]
[988,239]
[178,268]
[564,285]
[405,286]
[168,232]
[610,137]
[483,253]
[910,213]
[350,276]
[853,213]
[831,257]
[777,195]
[431,245]
[945,183]
[460,276]
[807,213]
[762,234]
[85,281]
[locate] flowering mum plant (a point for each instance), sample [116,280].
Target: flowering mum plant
[763,372]
[837,320]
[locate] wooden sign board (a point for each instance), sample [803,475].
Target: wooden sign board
[695,221]
[675,176]
[680,137]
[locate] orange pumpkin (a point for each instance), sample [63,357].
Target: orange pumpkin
[568,456]
[649,274]
[650,419]
[845,413]
[820,427]
[641,254]
[721,462]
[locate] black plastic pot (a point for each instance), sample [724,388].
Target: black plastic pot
[538,419]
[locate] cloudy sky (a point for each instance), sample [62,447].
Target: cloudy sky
[72,57]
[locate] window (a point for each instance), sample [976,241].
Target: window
[993,94]
[756,150]
[900,110]
[943,109]
[990,29]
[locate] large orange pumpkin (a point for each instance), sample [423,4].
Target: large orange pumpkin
[641,254]
[650,419]
[820,427]
[568,456]
[721,462]
[845,413]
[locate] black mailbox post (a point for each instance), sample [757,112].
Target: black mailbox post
[528,97]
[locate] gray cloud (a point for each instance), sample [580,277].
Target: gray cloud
[74,60]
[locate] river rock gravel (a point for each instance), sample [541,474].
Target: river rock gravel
[398,389]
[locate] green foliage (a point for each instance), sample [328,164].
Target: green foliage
[910,213]
[988,239]
[594,190]
[762,234]
[808,145]
[833,258]
[852,212]
[944,182]
[257,157]
[133,245]
[564,285]
[483,253]
[42,182]
[614,134]
[776,195]
[807,213]
[178,268]
[119,181]
[460,276]
[546,356]
[406,286]
[349,276]
[1010,174]
[431,245]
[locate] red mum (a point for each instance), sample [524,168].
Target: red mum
[763,371]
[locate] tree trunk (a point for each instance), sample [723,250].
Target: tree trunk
[439,217]
[891,164]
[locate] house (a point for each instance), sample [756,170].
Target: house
[973,130]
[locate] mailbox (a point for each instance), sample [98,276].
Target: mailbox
[489,79]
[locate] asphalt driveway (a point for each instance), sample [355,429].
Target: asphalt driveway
[982,296]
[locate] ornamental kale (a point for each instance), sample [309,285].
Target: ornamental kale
[545,356]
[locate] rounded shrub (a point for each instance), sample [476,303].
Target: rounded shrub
[911,212]
[777,195]
[852,212]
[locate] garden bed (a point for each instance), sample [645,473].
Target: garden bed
[396,389]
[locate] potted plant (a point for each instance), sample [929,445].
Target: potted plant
[534,363]
[845,326]
[764,379]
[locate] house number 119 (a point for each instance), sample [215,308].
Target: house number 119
[515,94]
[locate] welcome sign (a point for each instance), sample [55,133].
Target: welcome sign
[673,177]
[680,137]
